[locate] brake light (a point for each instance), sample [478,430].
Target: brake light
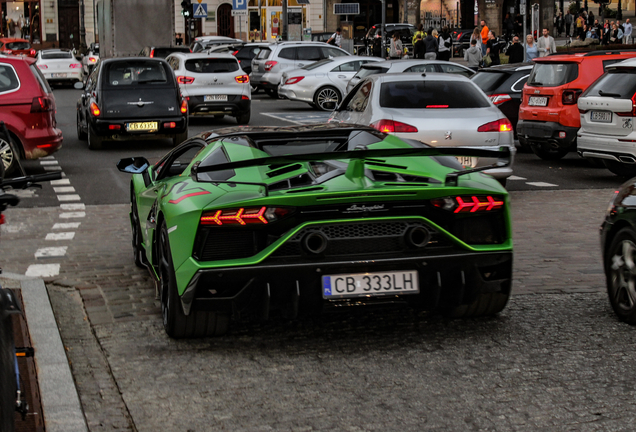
[185,80]
[469,204]
[43,66]
[459,35]
[243,216]
[170,125]
[270,64]
[2,219]
[75,65]
[184,106]
[436,106]
[243,97]
[94,109]
[92,59]
[32,52]
[391,126]
[294,80]
[152,53]
[243,79]
[41,104]
[235,52]
[114,127]
[631,113]
[570,97]
[498,99]
[501,125]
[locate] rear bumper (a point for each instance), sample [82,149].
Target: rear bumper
[75,75]
[547,133]
[38,143]
[265,80]
[607,147]
[444,280]
[233,106]
[101,128]
[293,94]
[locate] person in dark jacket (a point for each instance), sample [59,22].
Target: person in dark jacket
[492,49]
[419,48]
[431,45]
[515,51]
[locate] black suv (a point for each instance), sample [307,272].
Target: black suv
[130,99]
[406,32]
[503,85]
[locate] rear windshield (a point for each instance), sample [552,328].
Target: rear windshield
[18,46]
[164,52]
[57,55]
[618,83]
[431,94]
[552,74]
[211,65]
[263,54]
[133,72]
[365,72]
[8,79]
[489,81]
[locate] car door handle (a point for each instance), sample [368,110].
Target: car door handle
[342,76]
[301,64]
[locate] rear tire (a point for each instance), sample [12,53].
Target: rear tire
[179,138]
[485,304]
[243,118]
[327,98]
[94,142]
[620,274]
[81,135]
[176,324]
[8,388]
[620,169]
[9,155]
[273,93]
[549,154]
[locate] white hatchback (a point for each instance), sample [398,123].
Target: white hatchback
[608,112]
[213,84]
[439,109]
[59,65]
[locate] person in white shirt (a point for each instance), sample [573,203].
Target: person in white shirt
[627,34]
[545,44]
[336,38]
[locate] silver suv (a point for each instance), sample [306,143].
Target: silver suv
[270,63]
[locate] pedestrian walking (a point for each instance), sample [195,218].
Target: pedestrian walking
[431,45]
[476,36]
[558,24]
[395,49]
[445,43]
[546,45]
[336,38]
[531,49]
[568,23]
[473,55]
[484,36]
[515,51]
[420,31]
[627,35]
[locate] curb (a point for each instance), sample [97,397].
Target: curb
[60,401]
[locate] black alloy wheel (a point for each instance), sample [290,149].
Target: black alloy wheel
[327,98]
[620,272]
[8,155]
[95,142]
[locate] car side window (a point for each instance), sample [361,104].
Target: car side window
[329,52]
[352,66]
[421,68]
[8,79]
[178,161]
[254,52]
[360,100]
[452,69]
[288,53]
[311,53]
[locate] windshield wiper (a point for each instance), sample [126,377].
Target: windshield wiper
[607,94]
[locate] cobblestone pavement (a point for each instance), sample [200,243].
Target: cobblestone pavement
[555,359]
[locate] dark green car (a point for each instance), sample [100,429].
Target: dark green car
[245,221]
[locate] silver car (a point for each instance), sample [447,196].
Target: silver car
[270,63]
[322,84]
[437,109]
[213,85]
[399,66]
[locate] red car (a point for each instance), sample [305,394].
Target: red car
[27,107]
[13,46]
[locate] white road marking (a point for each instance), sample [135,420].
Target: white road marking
[60,236]
[53,168]
[72,207]
[72,215]
[43,270]
[67,225]
[71,197]
[541,184]
[24,193]
[51,252]
[512,177]
[48,162]
[60,182]
[64,189]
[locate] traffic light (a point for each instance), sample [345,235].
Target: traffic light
[186,6]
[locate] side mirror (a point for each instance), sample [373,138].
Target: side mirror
[134,165]
[79,85]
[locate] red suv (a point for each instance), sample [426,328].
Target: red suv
[27,107]
[13,46]
[548,116]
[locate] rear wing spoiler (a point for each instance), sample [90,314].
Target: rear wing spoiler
[358,157]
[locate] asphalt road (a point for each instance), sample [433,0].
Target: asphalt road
[97,181]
